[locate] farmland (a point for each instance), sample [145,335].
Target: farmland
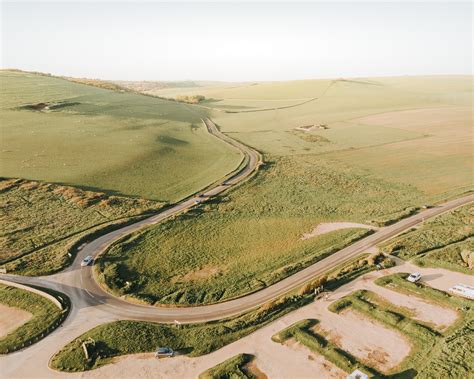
[325,160]
[106,141]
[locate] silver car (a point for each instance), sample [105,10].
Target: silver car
[414,277]
[87,261]
[163,352]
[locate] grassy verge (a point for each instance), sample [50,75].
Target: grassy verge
[231,368]
[46,316]
[301,332]
[446,242]
[434,353]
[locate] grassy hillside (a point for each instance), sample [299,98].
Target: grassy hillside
[250,238]
[121,143]
[43,222]
[368,150]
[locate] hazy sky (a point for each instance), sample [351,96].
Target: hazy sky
[237,41]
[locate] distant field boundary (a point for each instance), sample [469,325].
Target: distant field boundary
[34,290]
[276,108]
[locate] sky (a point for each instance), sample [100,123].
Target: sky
[240,41]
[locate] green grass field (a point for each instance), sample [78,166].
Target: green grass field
[97,139]
[42,223]
[446,241]
[434,354]
[373,151]
[46,316]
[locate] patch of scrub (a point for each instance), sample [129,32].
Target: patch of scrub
[12,318]
[328,227]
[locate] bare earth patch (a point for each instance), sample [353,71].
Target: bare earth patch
[327,227]
[309,128]
[201,274]
[253,369]
[422,310]
[12,318]
[316,362]
[366,339]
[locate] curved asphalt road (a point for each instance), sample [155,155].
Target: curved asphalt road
[79,283]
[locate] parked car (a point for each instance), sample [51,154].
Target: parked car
[414,277]
[163,352]
[87,261]
[197,202]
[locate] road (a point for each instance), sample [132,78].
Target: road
[91,305]
[79,283]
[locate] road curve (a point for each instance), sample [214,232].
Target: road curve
[84,291]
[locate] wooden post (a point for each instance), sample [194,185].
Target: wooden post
[86,353]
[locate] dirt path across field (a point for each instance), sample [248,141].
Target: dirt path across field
[12,318]
[327,227]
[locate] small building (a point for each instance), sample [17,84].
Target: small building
[357,374]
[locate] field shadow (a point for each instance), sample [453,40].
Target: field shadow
[430,277]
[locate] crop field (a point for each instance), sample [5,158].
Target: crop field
[446,241]
[41,221]
[57,131]
[434,353]
[44,315]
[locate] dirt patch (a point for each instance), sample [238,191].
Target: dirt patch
[254,371]
[421,310]
[12,318]
[370,341]
[309,128]
[324,368]
[327,227]
[204,273]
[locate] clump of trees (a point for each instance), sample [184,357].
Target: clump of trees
[194,99]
